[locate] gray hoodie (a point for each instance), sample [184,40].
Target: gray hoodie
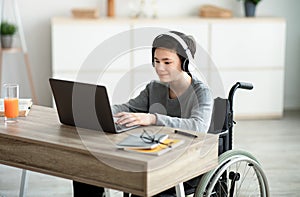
[192,110]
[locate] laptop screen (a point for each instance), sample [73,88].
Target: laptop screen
[82,105]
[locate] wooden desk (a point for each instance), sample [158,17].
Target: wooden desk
[40,143]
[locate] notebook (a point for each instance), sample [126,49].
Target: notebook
[160,149]
[84,105]
[136,141]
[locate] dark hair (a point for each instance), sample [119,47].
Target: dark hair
[168,42]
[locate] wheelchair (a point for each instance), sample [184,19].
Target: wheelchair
[238,172]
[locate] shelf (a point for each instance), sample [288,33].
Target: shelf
[176,20]
[11,50]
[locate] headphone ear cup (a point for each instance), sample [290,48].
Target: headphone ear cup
[185,65]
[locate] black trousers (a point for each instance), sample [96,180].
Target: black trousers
[86,190]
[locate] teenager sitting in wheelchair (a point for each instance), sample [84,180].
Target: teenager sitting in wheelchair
[178,99]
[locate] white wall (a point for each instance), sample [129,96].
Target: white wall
[36,16]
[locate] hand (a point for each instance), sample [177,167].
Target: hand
[132,119]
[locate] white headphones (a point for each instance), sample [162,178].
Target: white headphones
[184,46]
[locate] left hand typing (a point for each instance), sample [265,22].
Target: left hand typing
[131,119]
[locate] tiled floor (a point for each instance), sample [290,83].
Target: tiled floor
[275,143]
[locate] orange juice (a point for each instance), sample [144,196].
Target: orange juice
[11,107]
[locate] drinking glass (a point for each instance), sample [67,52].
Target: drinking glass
[11,102]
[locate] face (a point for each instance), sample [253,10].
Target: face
[167,65]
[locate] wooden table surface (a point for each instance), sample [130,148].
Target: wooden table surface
[40,143]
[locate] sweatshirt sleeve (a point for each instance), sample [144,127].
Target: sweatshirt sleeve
[200,114]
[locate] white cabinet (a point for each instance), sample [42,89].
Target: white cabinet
[248,45]
[74,53]
[251,50]
[265,100]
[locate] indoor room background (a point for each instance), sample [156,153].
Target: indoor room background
[36,18]
[274,141]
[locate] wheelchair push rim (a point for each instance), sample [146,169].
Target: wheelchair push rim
[238,174]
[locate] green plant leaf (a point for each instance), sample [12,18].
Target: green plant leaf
[7,28]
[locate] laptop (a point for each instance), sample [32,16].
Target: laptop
[84,105]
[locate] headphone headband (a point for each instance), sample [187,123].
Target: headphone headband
[182,43]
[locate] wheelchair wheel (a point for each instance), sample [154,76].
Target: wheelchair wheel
[238,174]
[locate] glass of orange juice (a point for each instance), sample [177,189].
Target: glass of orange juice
[11,102]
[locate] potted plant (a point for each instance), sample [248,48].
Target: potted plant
[7,31]
[250,6]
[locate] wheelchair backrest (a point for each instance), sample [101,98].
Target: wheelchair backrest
[219,120]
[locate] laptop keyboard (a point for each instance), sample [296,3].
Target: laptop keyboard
[119,127]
